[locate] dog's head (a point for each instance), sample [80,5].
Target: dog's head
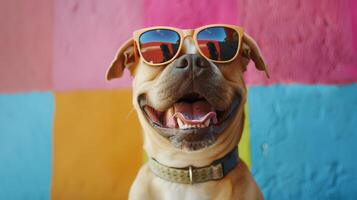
[191,103]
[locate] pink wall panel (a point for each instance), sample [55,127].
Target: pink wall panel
[303,41]
[25,45]
[87,35]
[188,13]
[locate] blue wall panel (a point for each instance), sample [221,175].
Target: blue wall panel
[304,141]
[26,145]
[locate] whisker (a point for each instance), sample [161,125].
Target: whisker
[129,113]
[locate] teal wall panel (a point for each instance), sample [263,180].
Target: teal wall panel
[303,141]
[26,145]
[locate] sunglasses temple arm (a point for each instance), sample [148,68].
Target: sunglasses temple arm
[136,53]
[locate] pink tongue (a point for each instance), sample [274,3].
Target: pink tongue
[191,112]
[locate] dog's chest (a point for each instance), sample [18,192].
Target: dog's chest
[204,191]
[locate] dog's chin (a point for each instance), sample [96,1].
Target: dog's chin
[191,123]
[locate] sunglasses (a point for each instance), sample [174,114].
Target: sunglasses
[160,45]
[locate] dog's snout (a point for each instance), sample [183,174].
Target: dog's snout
[191,60]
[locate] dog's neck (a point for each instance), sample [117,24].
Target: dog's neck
[218,169]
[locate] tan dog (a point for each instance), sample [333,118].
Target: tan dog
[187,154]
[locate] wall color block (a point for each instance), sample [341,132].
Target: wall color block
[352,9]
[244,144]
[87,35]
[26,145]
[25,45]
[303,141]
[189,14]
[303,41]
[97,145]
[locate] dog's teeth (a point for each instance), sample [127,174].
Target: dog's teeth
[207,122]
[180,123]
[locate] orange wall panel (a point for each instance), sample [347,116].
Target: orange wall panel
[97,145]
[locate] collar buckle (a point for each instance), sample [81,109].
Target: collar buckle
[190,174]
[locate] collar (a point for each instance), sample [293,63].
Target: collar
[218,169]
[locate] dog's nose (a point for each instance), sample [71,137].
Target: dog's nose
[191,60]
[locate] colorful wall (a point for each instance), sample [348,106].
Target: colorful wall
[65,133]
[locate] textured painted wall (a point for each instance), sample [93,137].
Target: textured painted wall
[303,41]
[25,45]
[97,145]
[86,36]
[189,14]
[301,135]
[303,141]
[26,145]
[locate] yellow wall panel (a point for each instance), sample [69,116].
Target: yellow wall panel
[244,144]
[97,145]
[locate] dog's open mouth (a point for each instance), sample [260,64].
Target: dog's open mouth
[191,121]
[190,112]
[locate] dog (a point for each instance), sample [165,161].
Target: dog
[191,110]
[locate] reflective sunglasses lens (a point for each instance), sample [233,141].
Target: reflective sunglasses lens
[159,45]
[218,43]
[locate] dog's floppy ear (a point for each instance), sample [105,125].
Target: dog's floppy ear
[251,51]
[125,58]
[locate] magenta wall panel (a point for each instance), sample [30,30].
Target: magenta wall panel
[188,13]
[303,41]
[87,35]
[25,45]
[353,8]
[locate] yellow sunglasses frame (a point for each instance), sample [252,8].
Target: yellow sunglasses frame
[183,33]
